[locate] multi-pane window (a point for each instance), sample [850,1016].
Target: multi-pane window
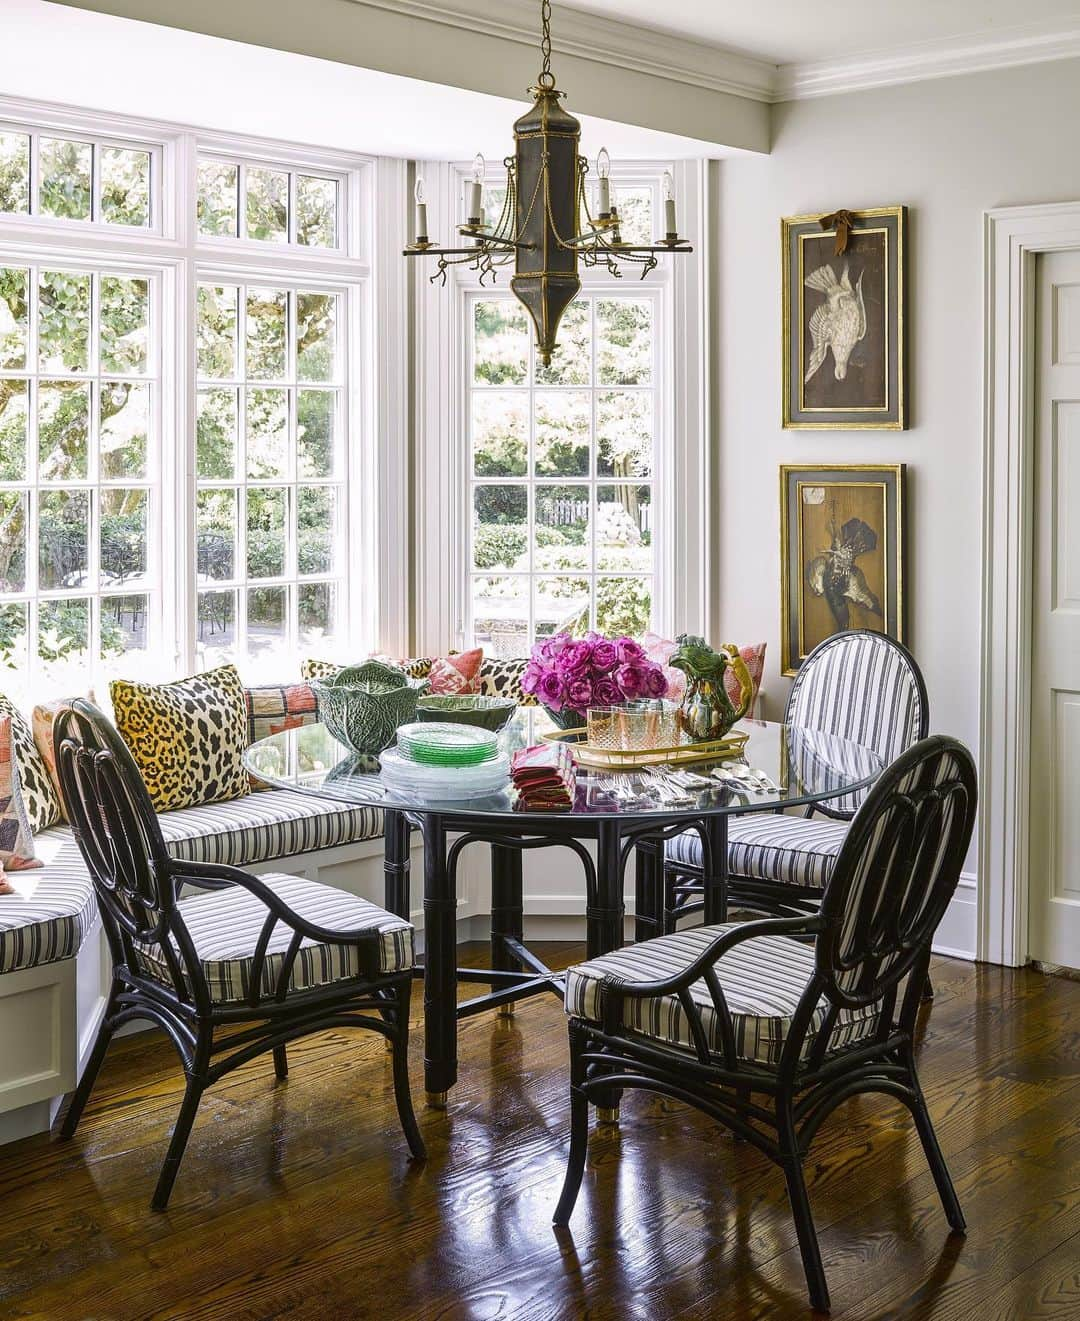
[79,458]
[561,471]
[242,199]
[269,461]
[75,178]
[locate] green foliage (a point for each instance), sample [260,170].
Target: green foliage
[14,172]
[65,188]
[623,606]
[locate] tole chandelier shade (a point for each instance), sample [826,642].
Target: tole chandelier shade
[545,225]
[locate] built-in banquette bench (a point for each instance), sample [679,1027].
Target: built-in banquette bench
[54,964]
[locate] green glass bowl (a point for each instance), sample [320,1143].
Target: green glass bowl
[491,713]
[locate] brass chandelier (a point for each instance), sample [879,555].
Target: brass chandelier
[546,225]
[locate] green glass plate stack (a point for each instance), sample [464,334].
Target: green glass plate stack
[439,743]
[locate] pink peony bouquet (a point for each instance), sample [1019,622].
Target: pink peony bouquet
[568,675]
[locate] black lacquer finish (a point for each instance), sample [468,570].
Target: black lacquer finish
[891,886]
[137,884]
[616,825]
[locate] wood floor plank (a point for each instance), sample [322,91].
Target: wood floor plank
[298,1200]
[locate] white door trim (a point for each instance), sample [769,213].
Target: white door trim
[1013,237]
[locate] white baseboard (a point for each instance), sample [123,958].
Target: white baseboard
[957,936]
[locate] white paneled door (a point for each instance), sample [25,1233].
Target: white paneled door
[1055,661]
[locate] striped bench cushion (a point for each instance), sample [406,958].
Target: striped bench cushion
[53,907]
[792,850]
[262,826]
[762,981]
[225,929]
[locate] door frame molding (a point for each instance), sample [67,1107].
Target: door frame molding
[1012,239]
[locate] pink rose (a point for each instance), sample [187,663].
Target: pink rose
[604,656]
[655,684]
[550,690]
[579,694]
[631,679]
[606,692]
[574,658]
[530,680]
[550,649]
[628,651]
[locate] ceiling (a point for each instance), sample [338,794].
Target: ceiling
[800,31]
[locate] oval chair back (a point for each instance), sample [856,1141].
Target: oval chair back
[896,873]
[862,686]
[117,831]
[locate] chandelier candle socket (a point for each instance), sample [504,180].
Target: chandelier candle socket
[545,224]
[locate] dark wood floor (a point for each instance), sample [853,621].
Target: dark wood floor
[297,1200]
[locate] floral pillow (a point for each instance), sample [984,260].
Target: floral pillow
[273,708]
[16,841]
[456,674]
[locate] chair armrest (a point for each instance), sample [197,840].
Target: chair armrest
[218,876]
[769,926]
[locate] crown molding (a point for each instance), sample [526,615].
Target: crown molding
[603,40]
[948,58]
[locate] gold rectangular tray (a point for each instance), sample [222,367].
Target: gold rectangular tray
[618,759]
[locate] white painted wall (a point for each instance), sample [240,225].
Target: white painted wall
[949,149]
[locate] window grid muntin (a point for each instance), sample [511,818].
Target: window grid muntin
[33,487]
[528,389]
[241,585]
[98,142]
[293,169]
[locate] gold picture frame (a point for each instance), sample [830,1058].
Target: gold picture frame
[841,553]
[844,336]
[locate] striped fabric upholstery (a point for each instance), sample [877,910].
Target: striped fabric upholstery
[792,850]
[762,981]
[225,928]
[276,824]
[861,687]
[53,907]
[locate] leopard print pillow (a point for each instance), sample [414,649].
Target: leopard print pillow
[417,668]
[39,797]
[187,738]
[502,678]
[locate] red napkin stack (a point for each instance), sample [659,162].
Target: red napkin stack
[545,777]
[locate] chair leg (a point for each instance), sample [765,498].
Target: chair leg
[281,1062]
[402,1092]
[90,1073]
[800,1210]
[579,1135]
[927,990]
[181,1132]
[938,1168]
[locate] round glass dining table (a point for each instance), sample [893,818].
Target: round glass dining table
[613,812]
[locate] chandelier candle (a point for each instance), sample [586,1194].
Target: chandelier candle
[545,225]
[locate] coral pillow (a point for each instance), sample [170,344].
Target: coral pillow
[451,675]
[16,842]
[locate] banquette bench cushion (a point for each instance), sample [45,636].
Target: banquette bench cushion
[53,907]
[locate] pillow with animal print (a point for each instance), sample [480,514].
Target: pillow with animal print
[501,677]
[187,738]
[39,797]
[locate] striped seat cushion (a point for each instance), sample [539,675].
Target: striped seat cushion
[226,924]
[792,850]
[762,981]
[263,826]
[53,907]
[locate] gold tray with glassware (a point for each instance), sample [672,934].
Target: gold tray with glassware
[629,759]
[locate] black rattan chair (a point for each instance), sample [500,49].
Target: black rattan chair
[266,960]
[860,685]
[767,1033]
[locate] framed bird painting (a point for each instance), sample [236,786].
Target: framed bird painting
[843,320]
[841,554]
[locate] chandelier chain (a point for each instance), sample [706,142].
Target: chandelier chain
[546,77]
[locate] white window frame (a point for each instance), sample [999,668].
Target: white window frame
[681,462]
[375,605]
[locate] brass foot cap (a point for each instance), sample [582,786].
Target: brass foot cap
[604,1115]
[388,1045]
[505,1011]
[436,1100]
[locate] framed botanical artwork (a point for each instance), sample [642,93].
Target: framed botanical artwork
[844,342]
[841,553]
